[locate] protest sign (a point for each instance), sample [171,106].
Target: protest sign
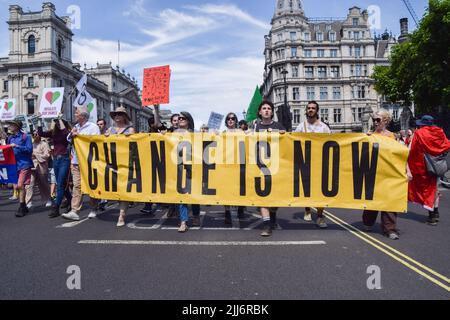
[156,86]
[351,171]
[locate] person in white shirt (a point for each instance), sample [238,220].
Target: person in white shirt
[83,127]
[314,125]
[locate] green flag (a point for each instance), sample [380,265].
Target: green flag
[252,112]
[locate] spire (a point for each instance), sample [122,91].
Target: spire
[289,6]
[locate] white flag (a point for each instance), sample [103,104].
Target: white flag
[83,98]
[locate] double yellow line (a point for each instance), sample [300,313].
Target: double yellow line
[438,279]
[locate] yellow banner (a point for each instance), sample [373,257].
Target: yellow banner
[259,169]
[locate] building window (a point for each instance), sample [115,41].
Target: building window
[356,35]
[295,71]
[355,22]
[320,53]
[395,114]
[324,115]
[59,48]
[31,44]
[323,93]
[5,85]
[357,114]
[61,83]
[322,72]
[316,27]
[335,72]
[363,34]
[30,82]
[307,36]
[349,34]
[350,50]
[319,36]
[365,70]
[337,116]
[280,37]
[294,52]
[337,93]
[361,92]
[358,70]
[307,53]
[309,72]
[293,36]
[297,116]
[332,36]
[30,106]
[333,53]
[310,93]
[296,93]
[279,94]
[328,27]
[358,52]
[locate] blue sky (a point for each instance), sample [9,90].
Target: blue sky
[215,48]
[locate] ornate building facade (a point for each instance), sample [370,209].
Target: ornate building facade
[40,56]
[329,60]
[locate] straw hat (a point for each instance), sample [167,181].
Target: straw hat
[120,110]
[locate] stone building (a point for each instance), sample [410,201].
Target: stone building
[329,60]
[40,56]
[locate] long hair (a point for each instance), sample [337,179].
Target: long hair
[235,122]
[57,129]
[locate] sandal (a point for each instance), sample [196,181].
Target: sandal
[183,227]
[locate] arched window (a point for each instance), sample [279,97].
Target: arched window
[280,4]
[59,48]
[31,44]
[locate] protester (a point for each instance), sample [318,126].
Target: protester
[204,129]
[122,125]
[313,124]
[83,127]
[186,125]
[381,120]
[101,123]
[173,122]
[61,161]
[52,176]
[243,125]
[39,174]
[266,124]
[409,136]
[423,187]
[231,124]
[23,151]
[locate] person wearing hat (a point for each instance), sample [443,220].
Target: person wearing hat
[122,125]
[23,151]
[422,187]
[82,127]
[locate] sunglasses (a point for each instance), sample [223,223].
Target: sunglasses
[234,119]
[377,120]
[181,118]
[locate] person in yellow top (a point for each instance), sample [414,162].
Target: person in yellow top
[381,120]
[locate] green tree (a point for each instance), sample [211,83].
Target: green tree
[419,69]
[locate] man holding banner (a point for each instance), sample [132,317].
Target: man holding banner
[83,127]
[23,151]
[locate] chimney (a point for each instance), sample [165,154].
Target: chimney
[404,26]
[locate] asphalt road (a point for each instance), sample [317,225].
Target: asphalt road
[149,259]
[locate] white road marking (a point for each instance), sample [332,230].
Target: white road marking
[202,243]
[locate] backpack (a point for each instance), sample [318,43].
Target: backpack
[437,165]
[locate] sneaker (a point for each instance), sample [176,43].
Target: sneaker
[22,211]
[183,228]
[196,221]
[13,198]
[48,204]
[267,230]
[393,236]
[71,216]
[30,205]
[321,223]
[432,221]
[92,214]
[102,206]
[147,209]
[308,216]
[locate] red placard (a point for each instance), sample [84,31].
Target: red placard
[156,86]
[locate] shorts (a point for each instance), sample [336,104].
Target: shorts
[51,176]
[24,178]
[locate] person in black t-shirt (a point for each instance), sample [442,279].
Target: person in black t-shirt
[266,123]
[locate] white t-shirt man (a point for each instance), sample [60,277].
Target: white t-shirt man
[317,127]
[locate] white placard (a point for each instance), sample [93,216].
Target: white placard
[51,102]
[92,108]
[8,109]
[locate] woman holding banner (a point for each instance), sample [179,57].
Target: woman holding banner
[122,125]
[266,124]
[381,119]
[61,161]
[231,124]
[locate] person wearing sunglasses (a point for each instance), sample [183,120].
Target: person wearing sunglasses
[186,125]
[381,120]
[231,125]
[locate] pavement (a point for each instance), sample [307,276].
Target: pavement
[148,259]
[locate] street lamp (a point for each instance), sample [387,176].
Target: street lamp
[284,73]
[244,113]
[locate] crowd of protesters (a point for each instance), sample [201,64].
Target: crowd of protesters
[47,161]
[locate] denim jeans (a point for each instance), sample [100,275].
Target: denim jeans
[61,166]
[184,212]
